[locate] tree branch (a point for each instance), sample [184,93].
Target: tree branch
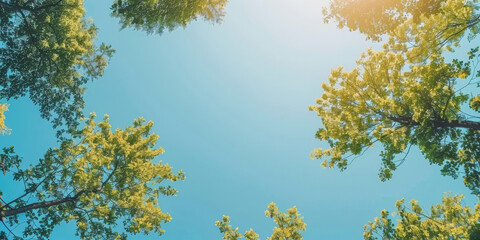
[28,191]
[8,228]
[45,204]
[408,121]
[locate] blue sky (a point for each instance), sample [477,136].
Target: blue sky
[229,102]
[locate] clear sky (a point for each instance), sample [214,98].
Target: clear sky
[229,102]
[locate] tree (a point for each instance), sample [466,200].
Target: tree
[375,18]
[48,50]
[289,224]
[406,94]
[95,178]
[448,220]
[156,16]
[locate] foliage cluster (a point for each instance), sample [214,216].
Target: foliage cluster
[407,94]
[289,226]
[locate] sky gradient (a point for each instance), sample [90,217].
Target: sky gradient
[230,103]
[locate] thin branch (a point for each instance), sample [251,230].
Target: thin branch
[404,157]
[1,220]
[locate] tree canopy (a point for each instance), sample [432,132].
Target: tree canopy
[48,49]
[94,178]
[376,18]
[156,16]
[447,220]
[406,94]
[289,226]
